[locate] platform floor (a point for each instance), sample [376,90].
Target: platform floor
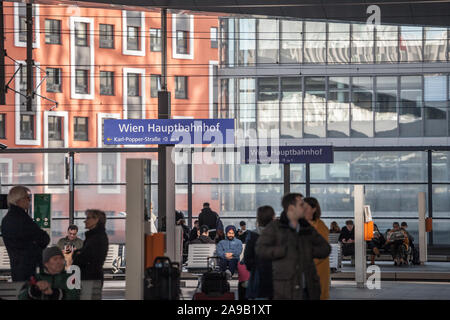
[403,283]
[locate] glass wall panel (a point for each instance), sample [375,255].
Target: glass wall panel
[386,44]
[338,106]
[247,42]
[435,96]
[386,107]
[268,41]
[291,108]
[338,42]
[362,43]
[291,41]
[246,104]
[268,107]
[441,166]
[410,108]
[441,200]
[315,42]
[237,200]
[361,107]
[314,107]
[441,234]
[435,47]
[410,44]
[298,172]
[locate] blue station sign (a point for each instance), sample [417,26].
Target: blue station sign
[169,131]
[288,154]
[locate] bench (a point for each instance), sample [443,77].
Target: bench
[198,254]
[90,290]
[4,260]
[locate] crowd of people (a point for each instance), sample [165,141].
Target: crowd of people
[396,241]
[43,268]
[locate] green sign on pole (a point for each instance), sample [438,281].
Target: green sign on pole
[42,210]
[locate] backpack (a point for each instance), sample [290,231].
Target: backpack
[397,236]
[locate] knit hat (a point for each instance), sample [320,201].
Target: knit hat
[203,229]
[230,227]
[51,252]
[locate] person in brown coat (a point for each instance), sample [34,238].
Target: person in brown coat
[312,215]
[291,243]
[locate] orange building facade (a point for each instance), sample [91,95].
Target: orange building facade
[99,64]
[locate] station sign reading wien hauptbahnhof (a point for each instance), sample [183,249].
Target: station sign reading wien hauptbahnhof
[169,131]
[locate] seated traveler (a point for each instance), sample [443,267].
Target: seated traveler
[398,241]
[229,250]
[203,236]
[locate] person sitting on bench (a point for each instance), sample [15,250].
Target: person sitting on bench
[229,250]
[203,236]
[398,240]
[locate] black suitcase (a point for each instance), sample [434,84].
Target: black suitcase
[162,281]
[415,256]
[215,281]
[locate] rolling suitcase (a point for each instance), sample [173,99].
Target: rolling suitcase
[162,281]
[214,281]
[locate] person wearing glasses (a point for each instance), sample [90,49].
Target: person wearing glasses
[23,238]
[91,257]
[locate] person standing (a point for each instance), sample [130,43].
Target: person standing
[291,243]
[71,241]
[312,215]
[23,238]
[91,257]
[194,232]
[209,218]
[242,232]
[260,282]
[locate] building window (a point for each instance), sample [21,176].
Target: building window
[27,127]
[81,38]
[107,36]
[2,126]
[155,85]
[107,83]
[108,172]
[132,38]
[52,31]
[81,81]
[214,42]
[133,84]
[53,80]
[80,128]
[182,42]
[181,87]
[26,173]
[54,128]
[22,29]
[81,173]
[155,40]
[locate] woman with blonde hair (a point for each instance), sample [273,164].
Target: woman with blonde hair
[312,215]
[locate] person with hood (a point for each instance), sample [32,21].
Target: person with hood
[24,240]
[51,282]
[229,250]
[209,218]
[91,257]
[292,244]
[260,282]
[203,236]
[194,232]
[312,214]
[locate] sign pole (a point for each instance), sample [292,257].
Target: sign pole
[360,243]
[422,231]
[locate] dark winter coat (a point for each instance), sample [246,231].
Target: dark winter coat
[260,282]
[58,283]
[24,241]
[203,239]
[209,218]
[292,253]
[91,257]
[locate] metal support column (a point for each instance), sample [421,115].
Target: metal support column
[308,179]
[430,192]
[2,57]
[29,61]
[422,233]
[71,187]
[189,176]
[287,178]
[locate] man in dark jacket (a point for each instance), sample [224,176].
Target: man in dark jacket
[347,238]
[204,236]
[194,232]
[23,238]
[209,218]
[91,257]
[292,244]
